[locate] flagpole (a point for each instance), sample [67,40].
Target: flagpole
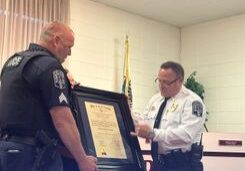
[125,56]
[125,65]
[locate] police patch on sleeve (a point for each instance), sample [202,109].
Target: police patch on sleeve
[15,61]
[197,108]
[59,79]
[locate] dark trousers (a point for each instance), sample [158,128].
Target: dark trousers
[188,167]
[177,162]
[69,164]
[159,167]
[20,157]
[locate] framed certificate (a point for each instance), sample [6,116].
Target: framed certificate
[104,122]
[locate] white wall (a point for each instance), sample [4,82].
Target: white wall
[98,55]
[216,50]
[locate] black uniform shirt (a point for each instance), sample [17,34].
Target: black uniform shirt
[47,77]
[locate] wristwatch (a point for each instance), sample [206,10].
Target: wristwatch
[151,134]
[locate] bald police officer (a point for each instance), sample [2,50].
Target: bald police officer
[35,109]
[173,121]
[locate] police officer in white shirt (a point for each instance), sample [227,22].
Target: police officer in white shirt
[176,137]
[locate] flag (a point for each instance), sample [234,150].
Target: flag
[126,87]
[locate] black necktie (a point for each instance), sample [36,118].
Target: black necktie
[154,145]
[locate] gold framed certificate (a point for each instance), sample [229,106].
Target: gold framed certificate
[105,130]
[104,121]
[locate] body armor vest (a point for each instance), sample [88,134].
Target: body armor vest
[22,111]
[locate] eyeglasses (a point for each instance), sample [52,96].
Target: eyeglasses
[168,83]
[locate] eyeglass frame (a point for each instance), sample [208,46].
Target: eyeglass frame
[165,83]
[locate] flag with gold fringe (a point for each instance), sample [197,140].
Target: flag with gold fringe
[126,87]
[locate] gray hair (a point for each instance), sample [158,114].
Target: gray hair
[52,29]
[176,67]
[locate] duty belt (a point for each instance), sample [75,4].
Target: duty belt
[19,139]
[172,157]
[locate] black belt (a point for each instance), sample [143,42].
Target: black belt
[19,139]
[24,140]
[172,156]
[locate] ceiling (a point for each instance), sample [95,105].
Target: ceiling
[180,13]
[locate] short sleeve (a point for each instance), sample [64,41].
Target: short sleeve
[49,78]
[54,86]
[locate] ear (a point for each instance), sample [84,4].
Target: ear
[180,81]
[55,41]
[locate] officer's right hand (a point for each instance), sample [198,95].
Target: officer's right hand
[88,164]
[143,130]
[72,80]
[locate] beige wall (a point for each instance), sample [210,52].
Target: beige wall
[217,51]
[98,55]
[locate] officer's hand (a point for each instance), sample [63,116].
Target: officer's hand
[72,80]
[88,164]
[143,130]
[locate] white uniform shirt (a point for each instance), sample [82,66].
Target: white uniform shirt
[182,121]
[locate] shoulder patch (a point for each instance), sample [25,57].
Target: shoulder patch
[15,61]
[197,108]
[59,79]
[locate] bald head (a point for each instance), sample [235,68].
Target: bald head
[58,38]
[52,29]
